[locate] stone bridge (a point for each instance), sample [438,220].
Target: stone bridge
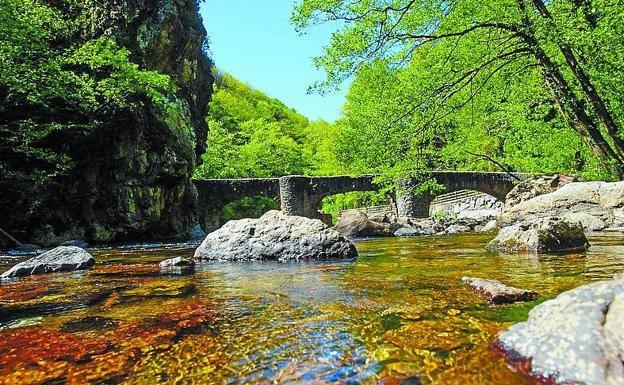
[214,194]
[302,195]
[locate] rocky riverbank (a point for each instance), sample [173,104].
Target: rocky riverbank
[545,214]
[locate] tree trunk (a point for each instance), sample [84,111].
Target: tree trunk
[570,106]
[588,88]
[585,7]
[573,110]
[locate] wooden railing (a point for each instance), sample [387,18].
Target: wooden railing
[456,196]
[370,210]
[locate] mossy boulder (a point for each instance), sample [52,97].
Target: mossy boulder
[126,172]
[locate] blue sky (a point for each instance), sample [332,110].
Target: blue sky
[255,41]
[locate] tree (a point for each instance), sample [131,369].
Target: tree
[252,135]
[475,42]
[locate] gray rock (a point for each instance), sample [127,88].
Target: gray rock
[490,227]
[497,292]
[531,188]
[428,226]
[357,224]
[457,229]
[381,217]
[481,216]
[575,338]
[62,258]
[408,232]
[176,262]
[542,235]
[416,228]
[275,236]
[595,205]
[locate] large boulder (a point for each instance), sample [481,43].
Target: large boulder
[357,224]
[275,236]
[576,338]
[595,205]
[532,187]
[542,235]
[62,258]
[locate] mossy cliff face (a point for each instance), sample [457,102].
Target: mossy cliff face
[129,177]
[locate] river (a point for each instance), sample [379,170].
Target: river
[399,314]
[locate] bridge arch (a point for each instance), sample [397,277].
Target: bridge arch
[496,184]
[302,195]
[214,194]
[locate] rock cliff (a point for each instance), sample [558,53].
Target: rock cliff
[130,172]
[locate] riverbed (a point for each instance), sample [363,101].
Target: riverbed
[399,314]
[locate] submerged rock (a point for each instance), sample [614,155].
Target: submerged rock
[497,292]
[575,338]
[62,258]
[275,236]
[542,235]
[88,323]
[357,224]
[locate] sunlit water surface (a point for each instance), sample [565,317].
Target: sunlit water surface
[399,314]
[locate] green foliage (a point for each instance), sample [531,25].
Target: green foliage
[335,203]
[248,207]
[124,77]
[453,85]
[253,135]
[55,85]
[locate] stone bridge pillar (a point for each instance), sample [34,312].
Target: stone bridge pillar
[411,206]
[296,196]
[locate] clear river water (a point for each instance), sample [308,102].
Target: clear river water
[399,314]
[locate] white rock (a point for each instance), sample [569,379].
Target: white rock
[596,205]
[62,258]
